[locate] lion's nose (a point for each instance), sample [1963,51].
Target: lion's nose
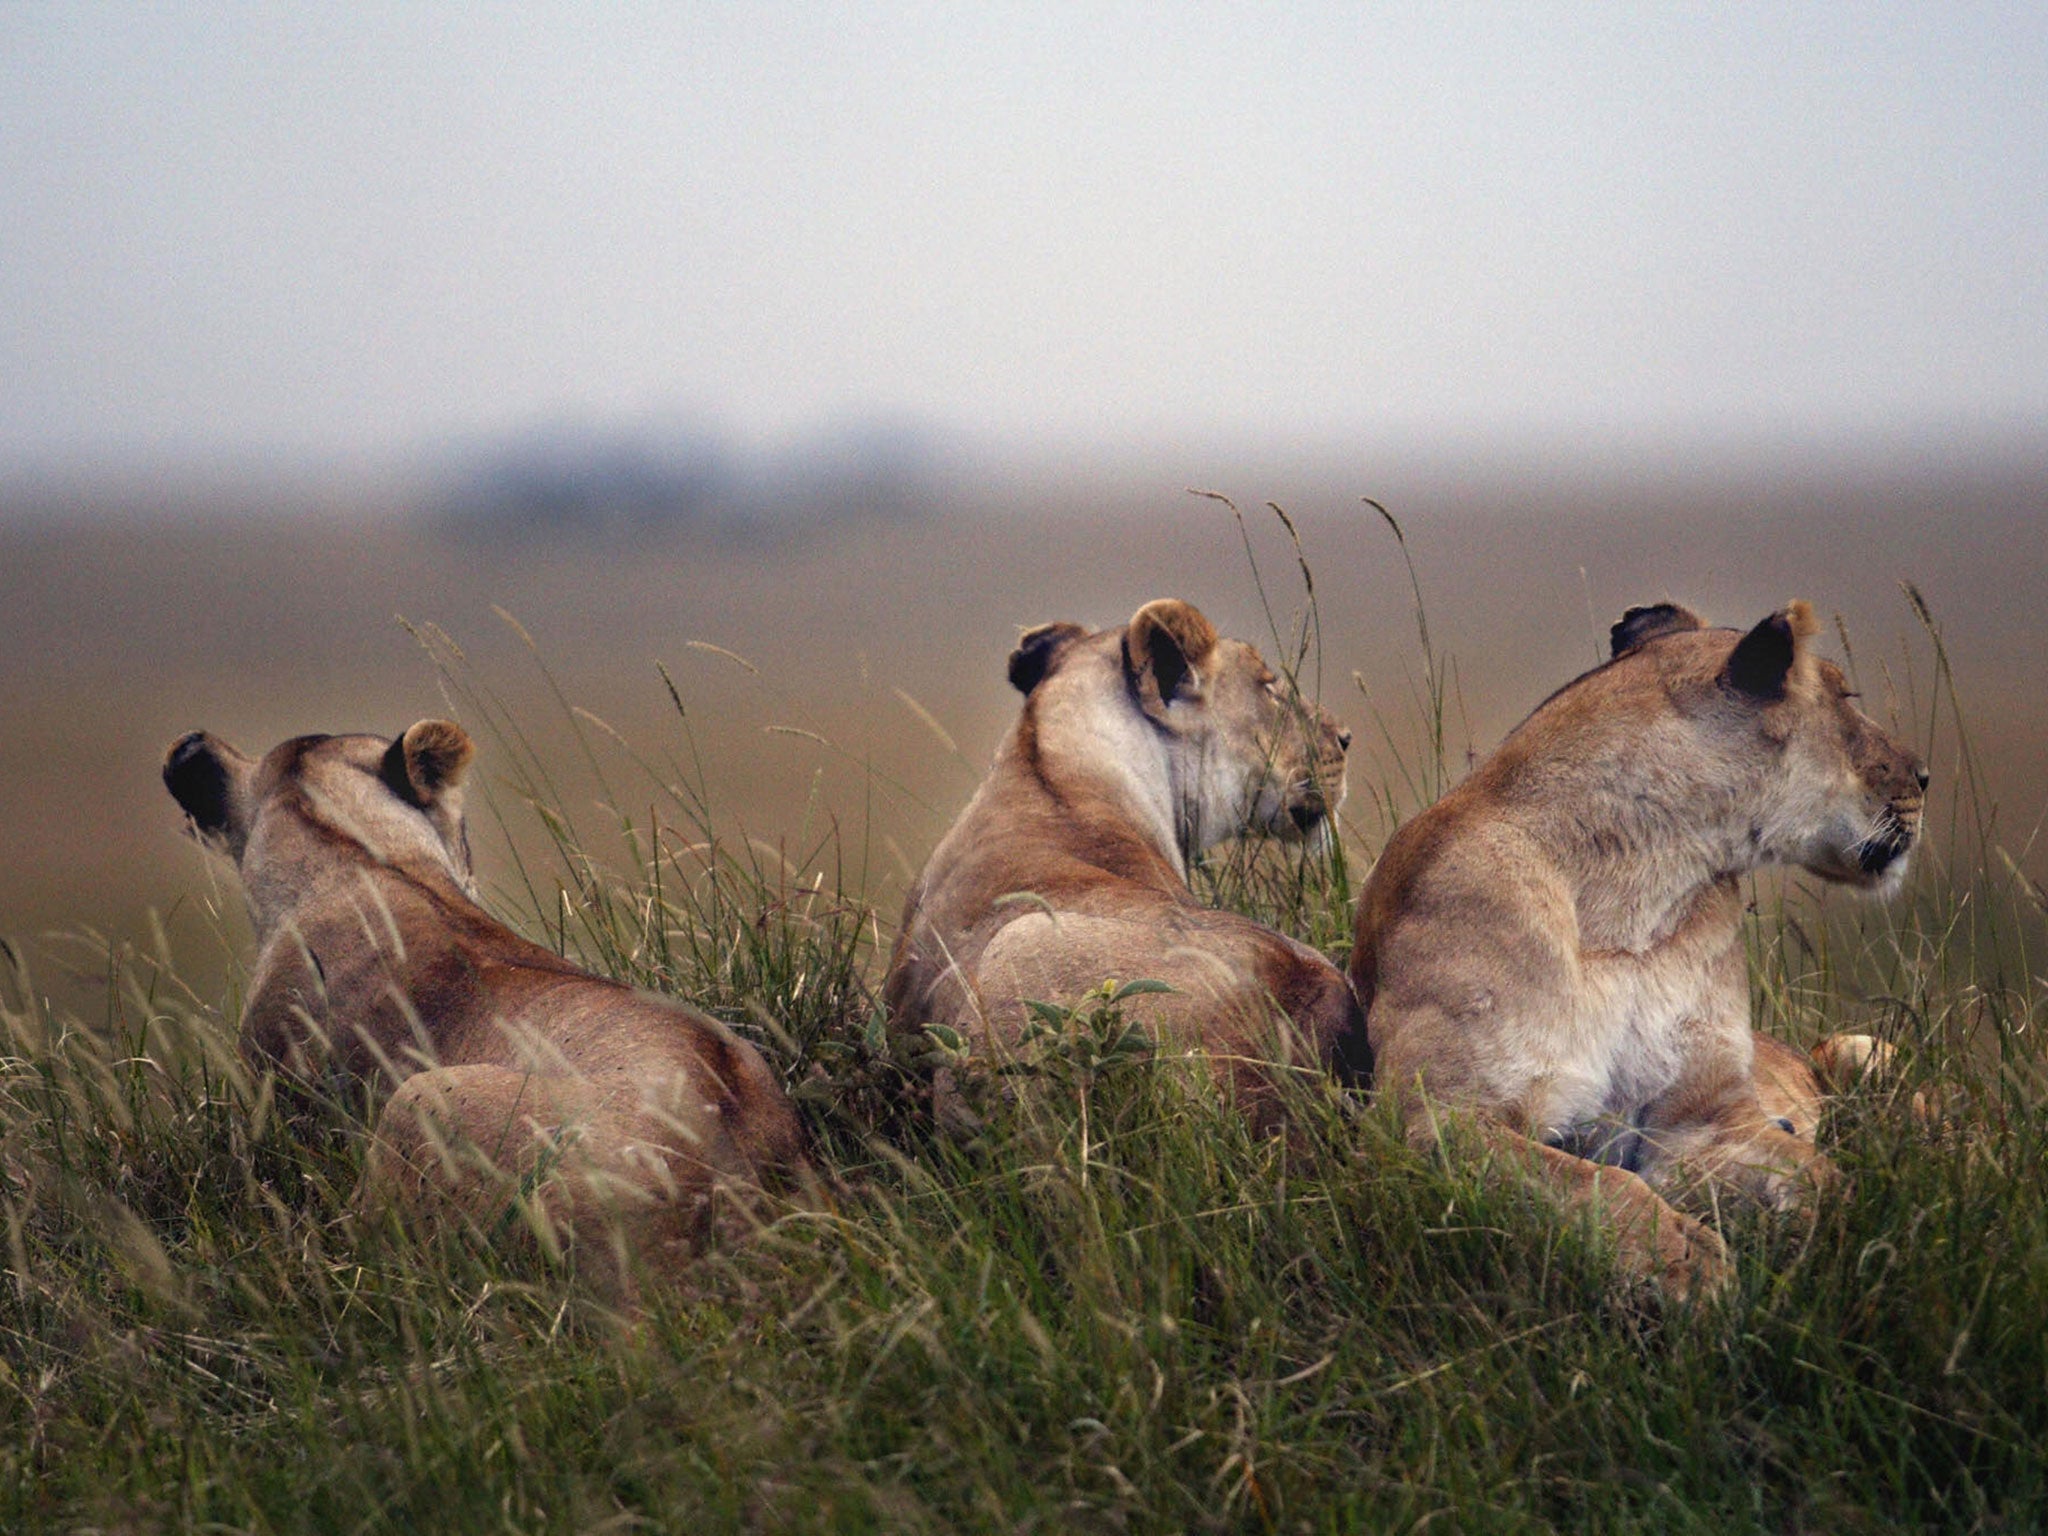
[1344,743]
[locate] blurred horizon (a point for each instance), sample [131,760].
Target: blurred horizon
[573,478]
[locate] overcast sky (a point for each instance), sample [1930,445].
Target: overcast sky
[364,230]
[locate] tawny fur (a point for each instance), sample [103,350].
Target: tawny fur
[1553,951]
[613,1116]
[1138,747]
[1796,1088]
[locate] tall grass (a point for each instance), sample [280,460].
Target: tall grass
[1113,1308]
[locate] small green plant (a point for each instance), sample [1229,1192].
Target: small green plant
[1073,1051]
[1075,1046]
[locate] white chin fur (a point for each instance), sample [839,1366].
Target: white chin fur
[1321,836]
[1894,876]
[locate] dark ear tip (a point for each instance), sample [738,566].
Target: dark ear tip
[1035,652]
[1027,669]
[182,752]
[197,780]
[1645,622]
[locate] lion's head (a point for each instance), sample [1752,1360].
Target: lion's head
[313,799]
[1241,749]
[1841,798]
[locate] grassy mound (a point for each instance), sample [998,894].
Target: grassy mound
[1111,1308]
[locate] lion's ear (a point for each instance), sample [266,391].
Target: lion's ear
[1844,1060]
[1164,650]
[1764,658]
[1036,651]
[1643,624]
[205,776]
[426,764]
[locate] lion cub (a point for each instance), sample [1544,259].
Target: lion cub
[1137,748]
[1555,947]
[620,1110]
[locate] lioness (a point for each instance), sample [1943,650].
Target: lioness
[1137,748]
[620,1111]
[1555,946]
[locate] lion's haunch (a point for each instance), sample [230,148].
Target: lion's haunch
[611,1116]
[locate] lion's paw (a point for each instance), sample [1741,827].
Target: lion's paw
[1684,1258]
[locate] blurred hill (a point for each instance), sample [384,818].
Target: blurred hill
[582,482]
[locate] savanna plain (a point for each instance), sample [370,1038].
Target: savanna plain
[710,764]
